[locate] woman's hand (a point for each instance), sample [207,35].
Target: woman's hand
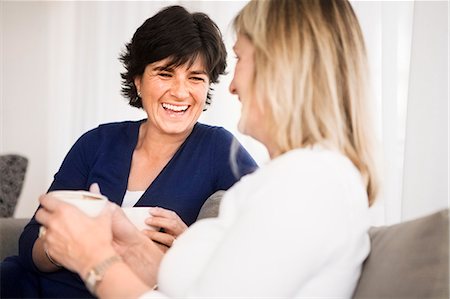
[142,255]
[170,223]
[73,239]
[125,234]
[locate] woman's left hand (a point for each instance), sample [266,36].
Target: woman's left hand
[72,238]
[170,223]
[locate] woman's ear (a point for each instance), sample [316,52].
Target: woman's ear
[137,83]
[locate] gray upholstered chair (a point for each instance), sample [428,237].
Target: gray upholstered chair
[12,174]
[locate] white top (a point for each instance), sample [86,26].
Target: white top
[131,198]
[295,228]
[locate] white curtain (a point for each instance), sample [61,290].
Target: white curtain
[408,50]
[387,27]
[61,77]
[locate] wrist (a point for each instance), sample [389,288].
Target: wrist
[51,259]
[131,244]
[91,259]
[95,275]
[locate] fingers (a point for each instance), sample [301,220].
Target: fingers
[95,188]
[106,215]
[162,247]
[125,234]
[109,210]
[169,225]
[160,237]
[48,243]
[50,206]
[48,202]
[161,212]
[168,220]
[43,216]
[42,231]
[117,211]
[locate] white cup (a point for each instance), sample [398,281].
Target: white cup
[90,203]
[137,216]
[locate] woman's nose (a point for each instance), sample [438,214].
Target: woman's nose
[179,89]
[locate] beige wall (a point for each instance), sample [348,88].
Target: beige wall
[24,62]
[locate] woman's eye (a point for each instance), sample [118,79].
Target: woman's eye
[200,79]
[165,75]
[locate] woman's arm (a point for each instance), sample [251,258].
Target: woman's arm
[72,175]
[42,258]
[141,254]
[119,281]
[280,232]
[82,244]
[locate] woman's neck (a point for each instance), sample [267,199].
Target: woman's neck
[154,142]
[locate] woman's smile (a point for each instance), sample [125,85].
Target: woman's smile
[173,97]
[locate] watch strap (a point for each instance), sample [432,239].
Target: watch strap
[95,275]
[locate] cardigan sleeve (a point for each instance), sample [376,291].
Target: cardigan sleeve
[71,175]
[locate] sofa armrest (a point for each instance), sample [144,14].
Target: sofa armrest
[10,230]
[210,208]
[408,260]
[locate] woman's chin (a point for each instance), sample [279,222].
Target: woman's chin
[242,128]
[245,130]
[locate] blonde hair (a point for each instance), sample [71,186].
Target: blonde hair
[310,77]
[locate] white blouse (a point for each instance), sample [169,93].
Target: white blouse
[131,198]
[295,228]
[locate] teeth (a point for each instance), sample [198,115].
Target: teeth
[175,108]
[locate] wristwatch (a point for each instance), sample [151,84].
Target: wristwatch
[95,275]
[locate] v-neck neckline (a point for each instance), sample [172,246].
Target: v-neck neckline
[155,182]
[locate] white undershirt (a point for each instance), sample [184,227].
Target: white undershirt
[131,198]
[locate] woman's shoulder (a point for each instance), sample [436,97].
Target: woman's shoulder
[211,129]
[315,169]
[113,128]
[116,131]
[117,126]
[315,158]
[211,132]
[307,179]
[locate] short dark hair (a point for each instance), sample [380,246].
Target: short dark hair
[176,34]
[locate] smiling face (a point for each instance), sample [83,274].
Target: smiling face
[173,98]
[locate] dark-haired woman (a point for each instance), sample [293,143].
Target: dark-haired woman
[168,160]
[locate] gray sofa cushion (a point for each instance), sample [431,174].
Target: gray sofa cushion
[408,260]
[211,206]
[10,230]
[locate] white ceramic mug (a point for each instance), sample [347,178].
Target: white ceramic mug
[137,216]
[90,203]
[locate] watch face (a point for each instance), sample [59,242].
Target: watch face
[91,280]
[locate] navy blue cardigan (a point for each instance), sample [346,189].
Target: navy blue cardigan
[103,155]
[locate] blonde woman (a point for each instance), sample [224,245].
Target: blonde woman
[295,228]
